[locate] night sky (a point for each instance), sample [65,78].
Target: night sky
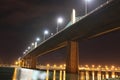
[21,21]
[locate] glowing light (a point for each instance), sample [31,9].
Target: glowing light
[112,66]
[32,44]
[93,66]
[99,66]
[24,52]
[16,63]
[48,65]
[60,20]
[46,32]
[64,65]
[86,65]
[54,65]
[61,66]
[29,47]
[37,39]
[73,16]
[86,2]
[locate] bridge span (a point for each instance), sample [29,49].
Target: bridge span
[102,20]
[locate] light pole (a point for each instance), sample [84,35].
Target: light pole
[46,32]
[37,40]
[86,3]
[59,21]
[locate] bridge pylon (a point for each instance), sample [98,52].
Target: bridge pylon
[72,61]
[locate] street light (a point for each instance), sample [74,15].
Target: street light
[24,52]
[29,48]
[36,42]
[37,39]
[32,44]
[59,21]
[86,3]
[46,32]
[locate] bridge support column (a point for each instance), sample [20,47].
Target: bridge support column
[33,62]
[25,62]
[21,63]
[72,57]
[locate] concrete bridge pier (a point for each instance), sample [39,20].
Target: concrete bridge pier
[26,63]
[33,62]
[21,63]
[72,57]
[72,60]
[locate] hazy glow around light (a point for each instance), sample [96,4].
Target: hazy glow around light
[60,20]
[29,47]
[46,32]
[32,44]
[88,0]
[37,39]
[24,52]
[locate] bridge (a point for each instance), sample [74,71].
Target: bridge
[102,20]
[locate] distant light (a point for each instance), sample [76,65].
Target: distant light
[60,20]
[86,65]
[93,65]
[37,39]
[32,44]
[99,65]
[54,65]
[29,47]
[24,52]
[16,63]
[48,65]
[46,32]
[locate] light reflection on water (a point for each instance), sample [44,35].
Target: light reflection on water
[28,74]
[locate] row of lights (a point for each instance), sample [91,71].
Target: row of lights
[86,67]
[46,32]
[100,67]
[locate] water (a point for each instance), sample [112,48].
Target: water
[29,74]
